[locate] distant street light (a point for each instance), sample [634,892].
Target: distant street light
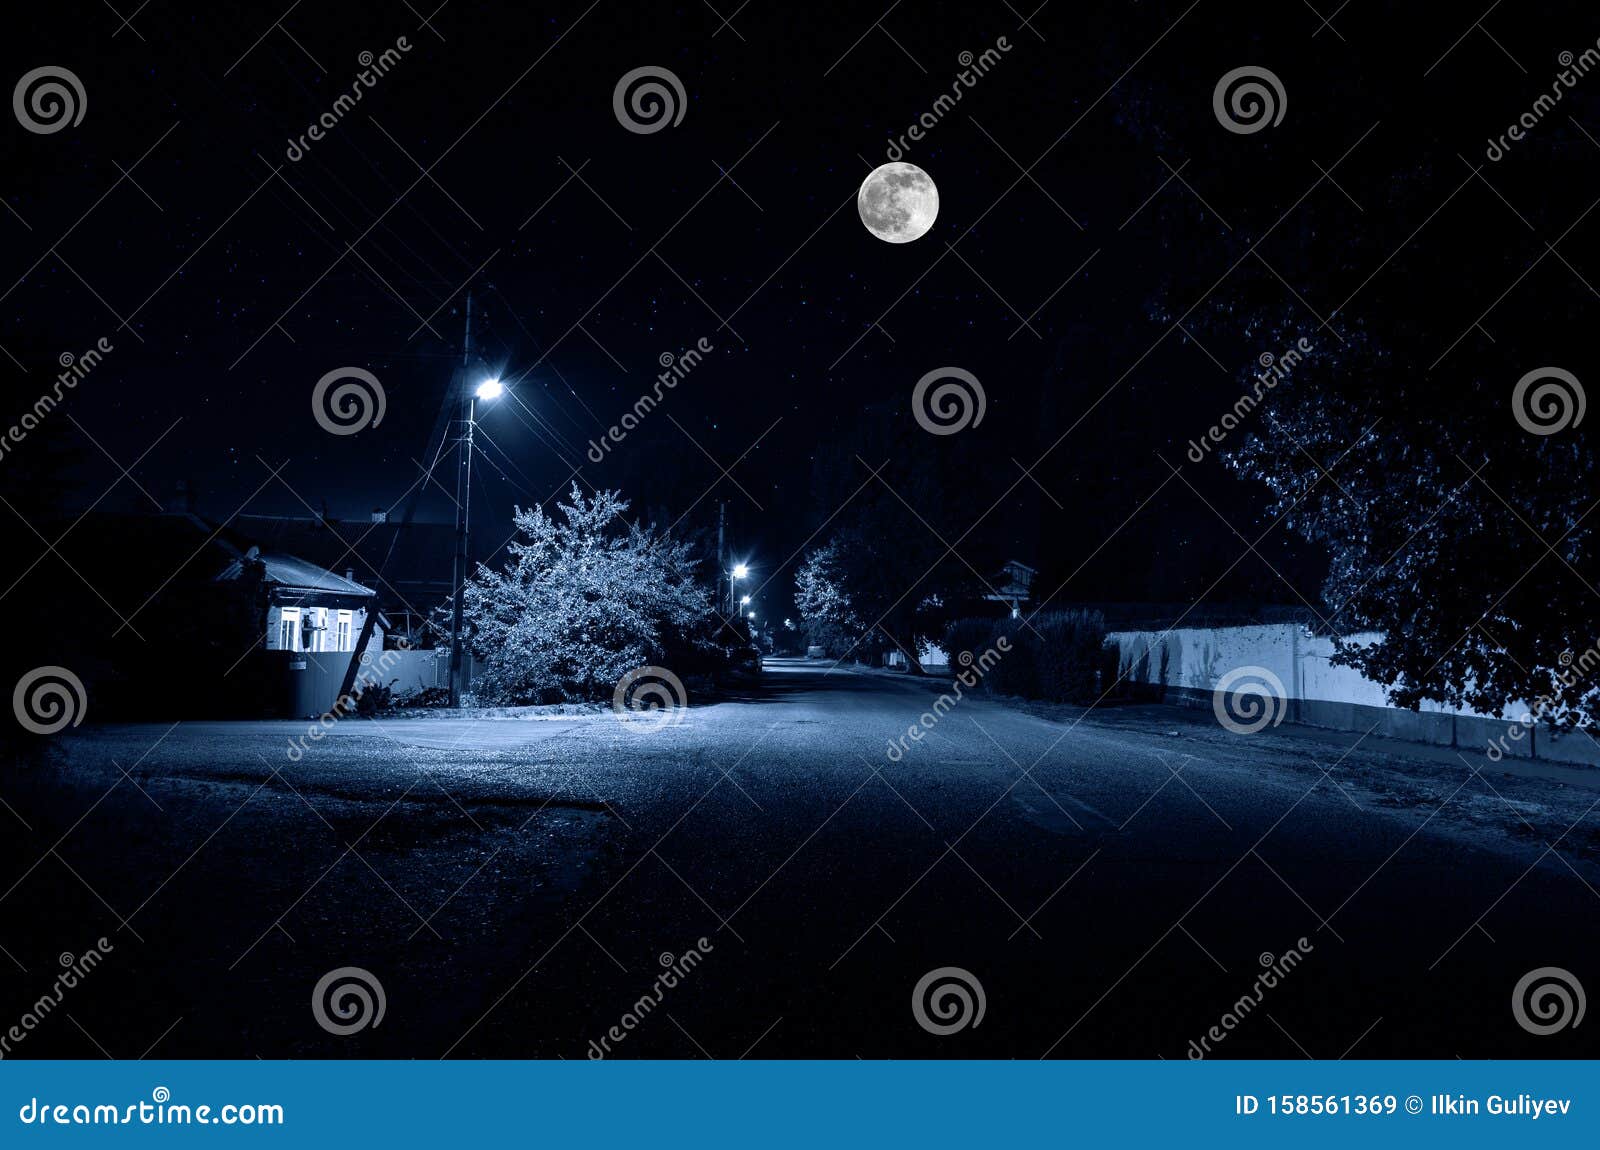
[745,601]
[740,571]
[491,389]
[752,614]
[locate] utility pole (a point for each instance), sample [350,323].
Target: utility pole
[463,519]
[722,554]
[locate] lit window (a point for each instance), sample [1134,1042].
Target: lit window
[344,632]
[289,629]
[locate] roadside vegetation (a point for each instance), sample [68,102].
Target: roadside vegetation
[1054,656]
[585,597]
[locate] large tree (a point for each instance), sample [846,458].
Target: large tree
[826,612]
[586,597]
[1440,457]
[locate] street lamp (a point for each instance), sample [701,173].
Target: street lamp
[487,390]
[744,601]
[739,571]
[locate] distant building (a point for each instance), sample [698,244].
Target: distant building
[1013,586]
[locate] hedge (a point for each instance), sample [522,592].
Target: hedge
[1056,656]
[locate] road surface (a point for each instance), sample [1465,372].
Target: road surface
[1113,883]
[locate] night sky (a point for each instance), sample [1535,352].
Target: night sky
[1087,287]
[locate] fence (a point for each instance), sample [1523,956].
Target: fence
[311,680]
[1321,694]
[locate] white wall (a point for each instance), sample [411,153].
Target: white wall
[1198,657]
[1322,694]
[414,670]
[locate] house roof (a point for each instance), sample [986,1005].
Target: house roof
[289,571]
[1017,579]
[415,559]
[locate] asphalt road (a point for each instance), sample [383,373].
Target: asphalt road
[1111,881]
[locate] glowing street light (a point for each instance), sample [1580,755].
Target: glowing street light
[489,389]
[740,571]
[744,601]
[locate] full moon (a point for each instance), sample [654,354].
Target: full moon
[898,203]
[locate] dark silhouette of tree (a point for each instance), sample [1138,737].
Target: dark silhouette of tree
[1436,456]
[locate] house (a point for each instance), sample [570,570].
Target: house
[168,615]
[307,608]
[313,620]
[1012,585]
[409,566]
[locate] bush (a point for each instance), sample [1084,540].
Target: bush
[966,640]
[972,636]
[699,651]
[426,697]
[1017,672]
[374,698]
[1070,655]
[1057,656]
